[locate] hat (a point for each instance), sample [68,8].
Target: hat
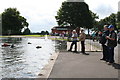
[106,26]
[74,30]
[111,26]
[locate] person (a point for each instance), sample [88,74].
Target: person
[111,44]
[103,41]
[93,36]
[96,35]
[69,35]
[82,39]
[74,41]
[63,35]
[119,37]
[99,35]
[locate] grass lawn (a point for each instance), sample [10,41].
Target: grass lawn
[34,35]
[25,36]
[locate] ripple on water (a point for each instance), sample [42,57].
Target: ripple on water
[25,60]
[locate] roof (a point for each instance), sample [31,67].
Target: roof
[62,28]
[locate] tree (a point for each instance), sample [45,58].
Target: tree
[26,31]
[47,33]
[118,17]
[75,14]
[94,17]
[118,25]
[12,21]
[112,20]
[94,21]
[118,20]
[44,33]
[107,21]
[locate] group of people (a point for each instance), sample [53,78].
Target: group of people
[109,42]
[82,37]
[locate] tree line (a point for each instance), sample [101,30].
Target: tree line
[74,14]
[15,24]
[113,19]
[77,14]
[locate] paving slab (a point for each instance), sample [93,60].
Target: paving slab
[71,65]
[77,65]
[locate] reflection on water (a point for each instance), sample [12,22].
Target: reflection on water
[25,60]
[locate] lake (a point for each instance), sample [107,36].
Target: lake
[25,60]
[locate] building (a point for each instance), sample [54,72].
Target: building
[60,30]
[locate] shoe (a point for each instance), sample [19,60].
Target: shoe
[110,63]
[85,53]
[69,50]
[103,59]
[107,60]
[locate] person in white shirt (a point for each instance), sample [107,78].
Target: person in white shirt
[74,41]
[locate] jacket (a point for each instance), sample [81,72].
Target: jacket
[103,37]
[82,36]
[112,43]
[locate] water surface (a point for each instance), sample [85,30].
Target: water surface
[25,60]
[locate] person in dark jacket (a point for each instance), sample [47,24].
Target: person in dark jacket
[111,44]
[118,37]
[103,42]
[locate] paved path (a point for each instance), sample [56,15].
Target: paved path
[72,65]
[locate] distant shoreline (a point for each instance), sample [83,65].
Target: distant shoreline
[23,36]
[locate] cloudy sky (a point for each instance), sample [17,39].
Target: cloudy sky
[40,13]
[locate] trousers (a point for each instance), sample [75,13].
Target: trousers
[111,54]
[83,46]
[105,52]
[74,43]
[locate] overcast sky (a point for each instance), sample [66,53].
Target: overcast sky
[40,13]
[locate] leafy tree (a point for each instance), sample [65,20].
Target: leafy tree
[118,25]
[12,21]
[47,33]
[26,31]
[107,21]
[75,14]
[118,20]
[118,17]
[112,20]
[44,33]
[94,21]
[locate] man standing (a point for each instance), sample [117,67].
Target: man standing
[103,42]
[112,43]
[74,41]
[82,39]
[119,37]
